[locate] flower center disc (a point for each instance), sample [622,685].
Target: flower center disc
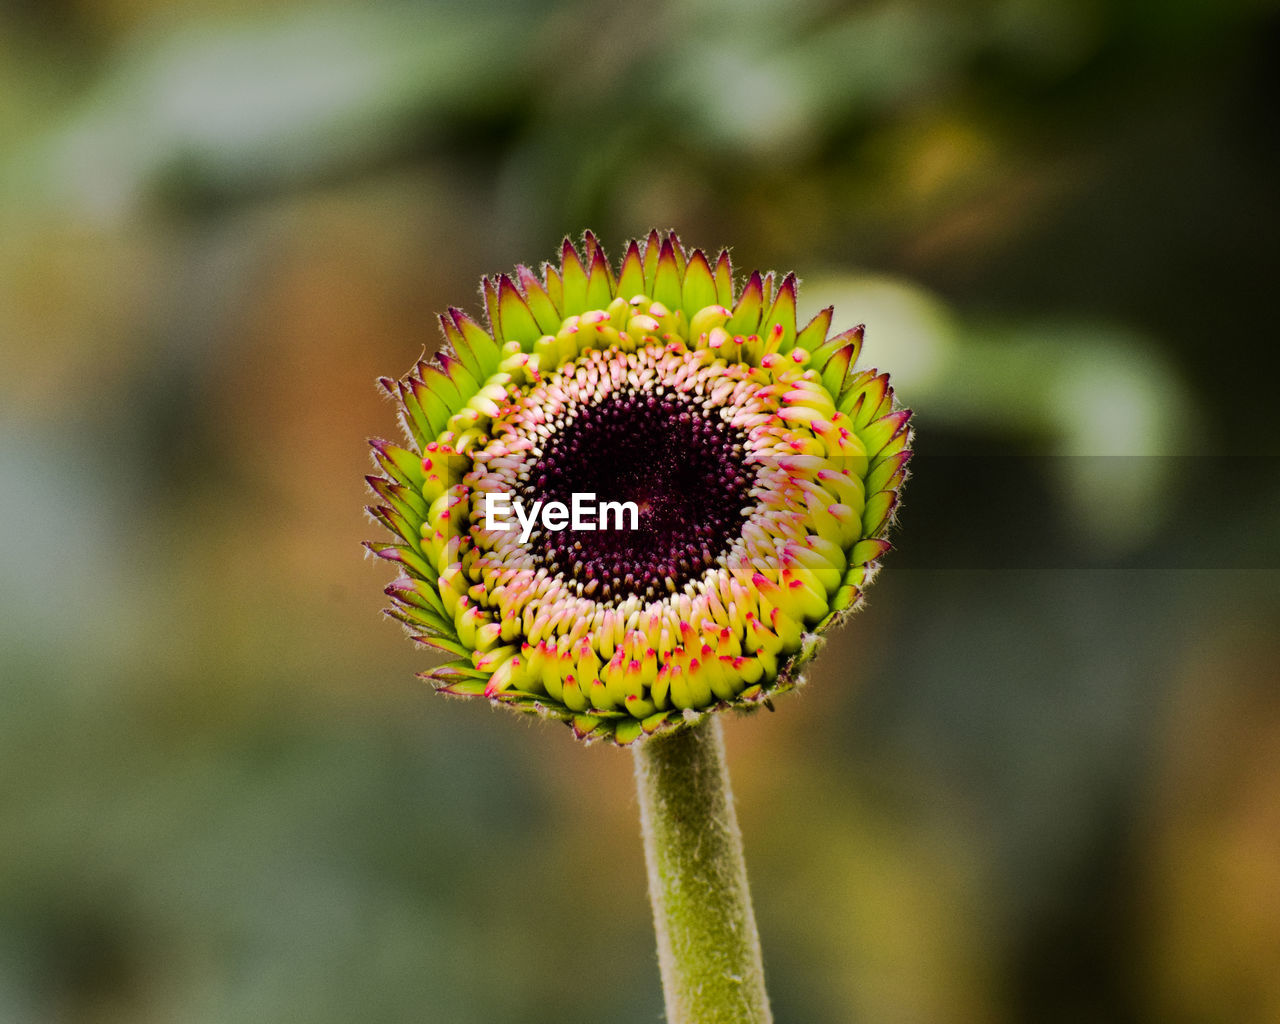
[680,464]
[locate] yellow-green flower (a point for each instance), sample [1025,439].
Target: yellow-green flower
[761,469]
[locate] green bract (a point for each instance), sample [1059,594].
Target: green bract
[765,470]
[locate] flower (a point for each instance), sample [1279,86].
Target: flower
[762,472]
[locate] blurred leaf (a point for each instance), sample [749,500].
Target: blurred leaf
[1072,388]
[267,101]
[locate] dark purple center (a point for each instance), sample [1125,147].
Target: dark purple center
[681,465]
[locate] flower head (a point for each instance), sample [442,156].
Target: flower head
[744,473]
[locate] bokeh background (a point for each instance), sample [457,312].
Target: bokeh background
[1038,779]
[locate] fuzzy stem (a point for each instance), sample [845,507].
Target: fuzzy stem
[708,948]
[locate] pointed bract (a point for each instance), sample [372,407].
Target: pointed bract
[746,314]
[836,369]
[516,321]
[428,410]
[631,277]
[677,250]
[813,335]
[600,284]
[699,288]
[574,278]
[853,337]
[782,316]
[666,281]
[482,344]
[652,251]
[540,304]
[458,345]
[489,289]
[456,370]
[724,280]
[555,287]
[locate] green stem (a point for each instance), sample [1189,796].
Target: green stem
[708,947]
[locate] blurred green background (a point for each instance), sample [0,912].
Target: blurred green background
[1038,779]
